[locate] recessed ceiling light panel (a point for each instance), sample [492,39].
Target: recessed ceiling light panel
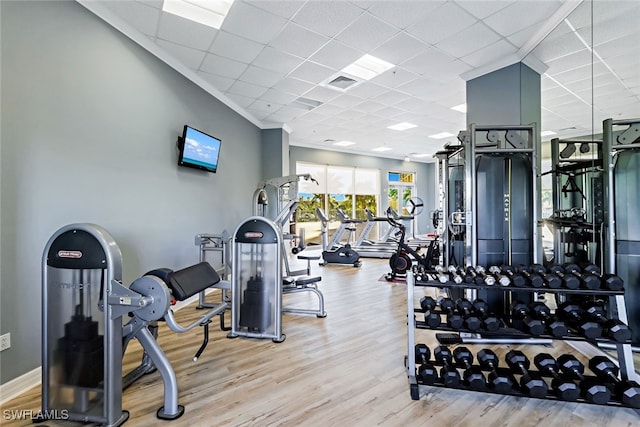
[206,12]
[381,149]
[441,135]
[367,67]
[344,143]
[402,126]
[462,108]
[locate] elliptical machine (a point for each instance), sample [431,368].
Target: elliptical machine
[402,260]
[338,254]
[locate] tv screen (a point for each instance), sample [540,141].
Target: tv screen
[199,150]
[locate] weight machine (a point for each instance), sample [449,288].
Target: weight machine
[83,338]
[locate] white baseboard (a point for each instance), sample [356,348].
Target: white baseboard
[19,385]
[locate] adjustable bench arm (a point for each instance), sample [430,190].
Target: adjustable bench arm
[203,320]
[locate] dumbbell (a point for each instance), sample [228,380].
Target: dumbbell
[516,279]
[590,390]
[448,374]
[569,281]
[454,274]
[428,304]
[556,327]
[442,274]
[427,372]
[472,376]
[497,382]
[532,278]
[471,322]
[614,328]
[551,280]
[530,382]
[501,279]
[564,388]
[454,320]
[627,391]
[588,280]
[519,310]
[467,276]
[487,279]
[489,322]
[573,314]
[612,282]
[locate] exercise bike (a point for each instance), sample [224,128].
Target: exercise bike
[404,256]
[334,252]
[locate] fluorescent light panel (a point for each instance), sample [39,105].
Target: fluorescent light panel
[547,133]
[367,67]
[402,126]
[419,155]
[441,135]
[206,12]
[344,143]
[462,108]
[381,149]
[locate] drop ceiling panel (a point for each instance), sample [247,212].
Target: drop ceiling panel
[293,86]
[508,20]
[252,23]
[391,97]
[336,55]
[185,32]
[298,41]
[246,89]
[327,17]
[277,97]
[468,40]
[498,51]
[366,33]
[395,77]
[399,48]
[221,66]
[558,47]
[312,72]
[282,8]
[401,14]
[275,60]
[235,47]
[482,8]
[190,57]
[322,94]
[218,82]
[446,21]
[260,76]
[426,61]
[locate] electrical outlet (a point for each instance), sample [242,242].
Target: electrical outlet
[5,341]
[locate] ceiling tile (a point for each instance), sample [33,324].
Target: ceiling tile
[391,97]
[224,67]
[336,55]
[219,82]
[509,19]
[322,94]
[494,53]
[242,101]
[367,90]
[260,76]
[482,8]
[275,60]
[427,60]
[369,106]
[327,17]
[185,32]
[265,106]
[403,14]
[312,73]
[293,85]
[399,48]
[446,21]
[394,78]
[298,41]
[283,8]
[277,97]
[192,58]
[367,33]
[557,47]
[235,47]
[252,23]
[468,40]
[346,101]
[246,89]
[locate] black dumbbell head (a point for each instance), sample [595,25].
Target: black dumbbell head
[448,374]
[627,391]
[612,282]
[498,382]
[564,388]
[431,319]
[491,323]
[422,353]
[618,330]
[570,365]
[594,392]
[427,303]
[428,374]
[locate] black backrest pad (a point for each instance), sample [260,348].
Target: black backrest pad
[191,280]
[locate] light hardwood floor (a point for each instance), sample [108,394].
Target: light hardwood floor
[344,370]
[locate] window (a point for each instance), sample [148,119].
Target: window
[348,188]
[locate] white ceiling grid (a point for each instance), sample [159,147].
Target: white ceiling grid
[269,53]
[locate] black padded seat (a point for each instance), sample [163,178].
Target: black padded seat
[189,281]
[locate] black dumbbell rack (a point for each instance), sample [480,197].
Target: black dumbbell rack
[625,357]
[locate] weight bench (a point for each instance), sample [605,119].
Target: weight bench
[304,283]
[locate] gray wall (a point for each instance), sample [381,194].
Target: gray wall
[89,124]
[425,174]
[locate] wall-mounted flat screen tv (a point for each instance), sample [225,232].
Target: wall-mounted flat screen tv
[198,150]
